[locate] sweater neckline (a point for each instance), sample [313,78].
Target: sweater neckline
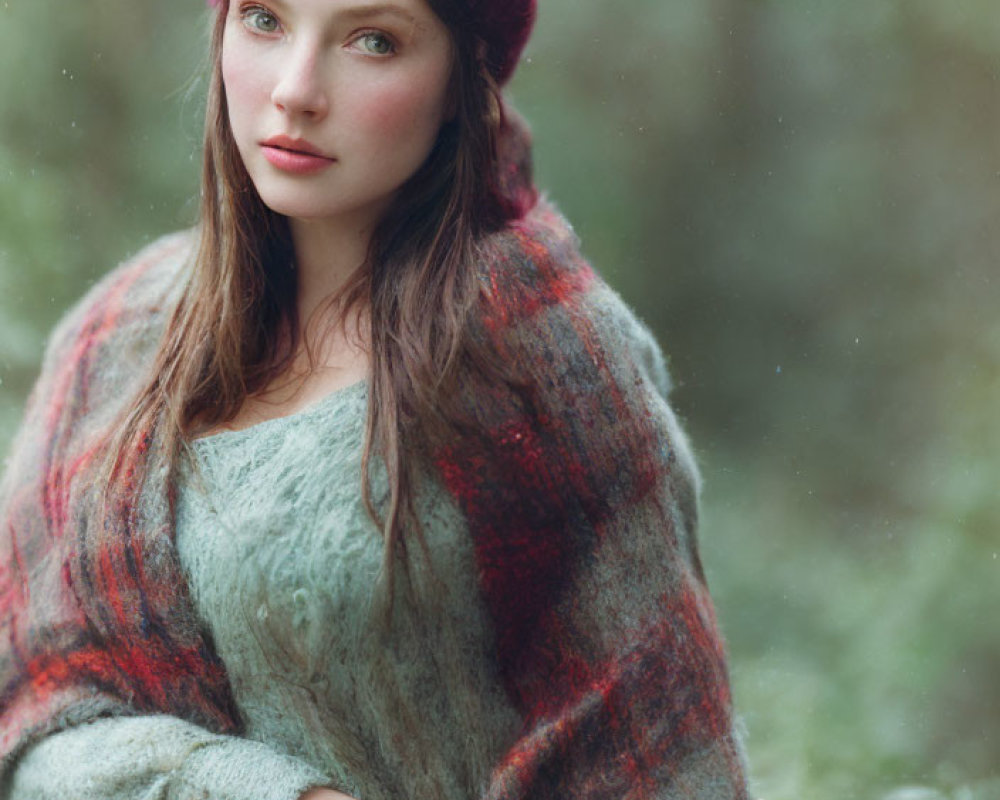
[276,423]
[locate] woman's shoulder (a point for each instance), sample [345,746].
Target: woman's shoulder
[127,304]
[96,355]
[562,328]
[105,343]
[539,288]
[528,251]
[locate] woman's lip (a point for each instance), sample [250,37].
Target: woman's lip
[294,161]
[294,145]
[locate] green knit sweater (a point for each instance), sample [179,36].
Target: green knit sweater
[282,559]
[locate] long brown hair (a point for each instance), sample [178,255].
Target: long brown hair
[235,329]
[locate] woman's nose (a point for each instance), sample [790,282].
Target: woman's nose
[301,88]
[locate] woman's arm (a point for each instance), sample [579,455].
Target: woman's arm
[581,499]
[159,758]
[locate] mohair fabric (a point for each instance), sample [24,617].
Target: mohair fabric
[579,496]
[504,25]
[156,757]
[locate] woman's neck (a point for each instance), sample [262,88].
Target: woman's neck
[333,353]
[327,253]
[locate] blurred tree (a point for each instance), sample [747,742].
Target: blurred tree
[98,154]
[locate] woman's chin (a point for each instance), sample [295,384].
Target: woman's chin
[299,207]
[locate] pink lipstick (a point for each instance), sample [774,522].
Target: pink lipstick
[295,155]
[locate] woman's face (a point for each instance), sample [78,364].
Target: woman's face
[334,104]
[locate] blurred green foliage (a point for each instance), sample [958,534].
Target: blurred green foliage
[802,198]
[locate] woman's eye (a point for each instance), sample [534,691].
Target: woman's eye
[259,20]
[376,44]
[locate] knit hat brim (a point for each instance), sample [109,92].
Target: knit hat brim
[506,26]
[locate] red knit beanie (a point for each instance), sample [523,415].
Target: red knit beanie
[503,24]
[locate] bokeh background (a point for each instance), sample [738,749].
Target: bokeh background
[802,198]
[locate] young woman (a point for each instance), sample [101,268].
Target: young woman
[367,486]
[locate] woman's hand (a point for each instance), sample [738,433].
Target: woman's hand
[324,794]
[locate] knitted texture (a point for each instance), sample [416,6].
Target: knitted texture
[582,505]
[95,619]
[505,25]
[286,580]
[156,758]
[579,497]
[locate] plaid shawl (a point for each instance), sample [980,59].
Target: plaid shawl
[579,493]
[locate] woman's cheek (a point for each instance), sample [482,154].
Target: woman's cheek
[240,79]
[403,111]
[246,74]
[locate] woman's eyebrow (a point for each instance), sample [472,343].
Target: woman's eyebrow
[377,9]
